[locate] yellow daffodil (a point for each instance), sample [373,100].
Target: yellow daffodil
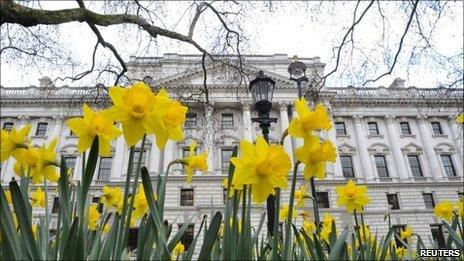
[133,221]
[42,162]
[13,142]
[106,228]
[327,226]
[262,166]
[20,169]
[460,118]
[444,210]
[300,195]
[112,198]
[178,250]
[406,233]
[364,230]
[140,203]
[352,197]
[34,230]
[309,227]
[308,120]
[94,124]
[284,212]
[8,197]
[38,198]
[305,215]
[195,162]
[140,111]
[314,155]
[94,216]
[400,252]
[232,188]
[460,207]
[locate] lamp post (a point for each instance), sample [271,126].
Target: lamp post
[297,71]
[262,90]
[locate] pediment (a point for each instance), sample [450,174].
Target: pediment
[378,148]
[220,75]
[412,148]
[444,148]
[346,149]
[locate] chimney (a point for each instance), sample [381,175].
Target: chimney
[46,82]
[397,83]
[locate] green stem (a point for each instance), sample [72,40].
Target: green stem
[362,227]
[357,230]
[276,235]
[315,203]
[288,236]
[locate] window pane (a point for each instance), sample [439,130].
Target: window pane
[186,197]
[41,129]
[56,205]
[70,162]
[405,129]
[225,158]
[373,128]
[381,165]
[323,199]
[7,126]
[415,165]
[191,120]
[448,165]
[428,200]
[347,166]
[227,120]
[340,128]
[397,229]
[132,240]
[392,200]
[104,170]
[436,127]
[136,160]
[437,235]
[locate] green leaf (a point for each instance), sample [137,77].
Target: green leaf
[337,248]
[110,241]
[453,235]
[176,238]
[386,244]
[10,237]
[24,220]
[191,249]
[63,194]
[208,242]
[90,167]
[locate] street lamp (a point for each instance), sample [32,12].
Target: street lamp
[297,71]
[262,90]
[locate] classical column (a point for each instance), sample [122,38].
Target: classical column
[296,142]
[426,138]
[366,163]
[457,137]
[398,156]
[56,131]
[155,157]
[168,154]
[283,108]
[119,162]
[332,136]
[247,125]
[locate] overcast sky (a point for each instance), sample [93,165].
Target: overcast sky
[290,27]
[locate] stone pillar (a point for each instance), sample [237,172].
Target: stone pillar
[56,131]
[284,121]
[426,137]
[119,162]
[168,154]
[366,163]
[332,136]
[155,157]
[247,125]
[398,156]
[296,142]
[457,137]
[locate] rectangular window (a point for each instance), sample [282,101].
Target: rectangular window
[7,126]
[429,201]
[436,127]
[225,159]
[56,205]
[41,129]
[323,199]
[227,120]
[132,240]
[392,200]
[347,166]
[397,229]
[186,197]
[448,165]
[104,170]
[191,120]
[136,160]
[224,195]
[437,235]
[415,165]
[70,162]
[381,165]
[373,128]
[187,236]
[405,128]
[340,128]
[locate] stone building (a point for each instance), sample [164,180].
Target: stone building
[402,142]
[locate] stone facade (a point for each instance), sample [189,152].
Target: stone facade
[411,130]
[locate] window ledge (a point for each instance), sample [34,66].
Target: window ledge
[375,136]
[440,136]
[385,179]
[454,178]
[229,128]
[39,137]
[408,136]
[419,178]
[67,137]
[343,136]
